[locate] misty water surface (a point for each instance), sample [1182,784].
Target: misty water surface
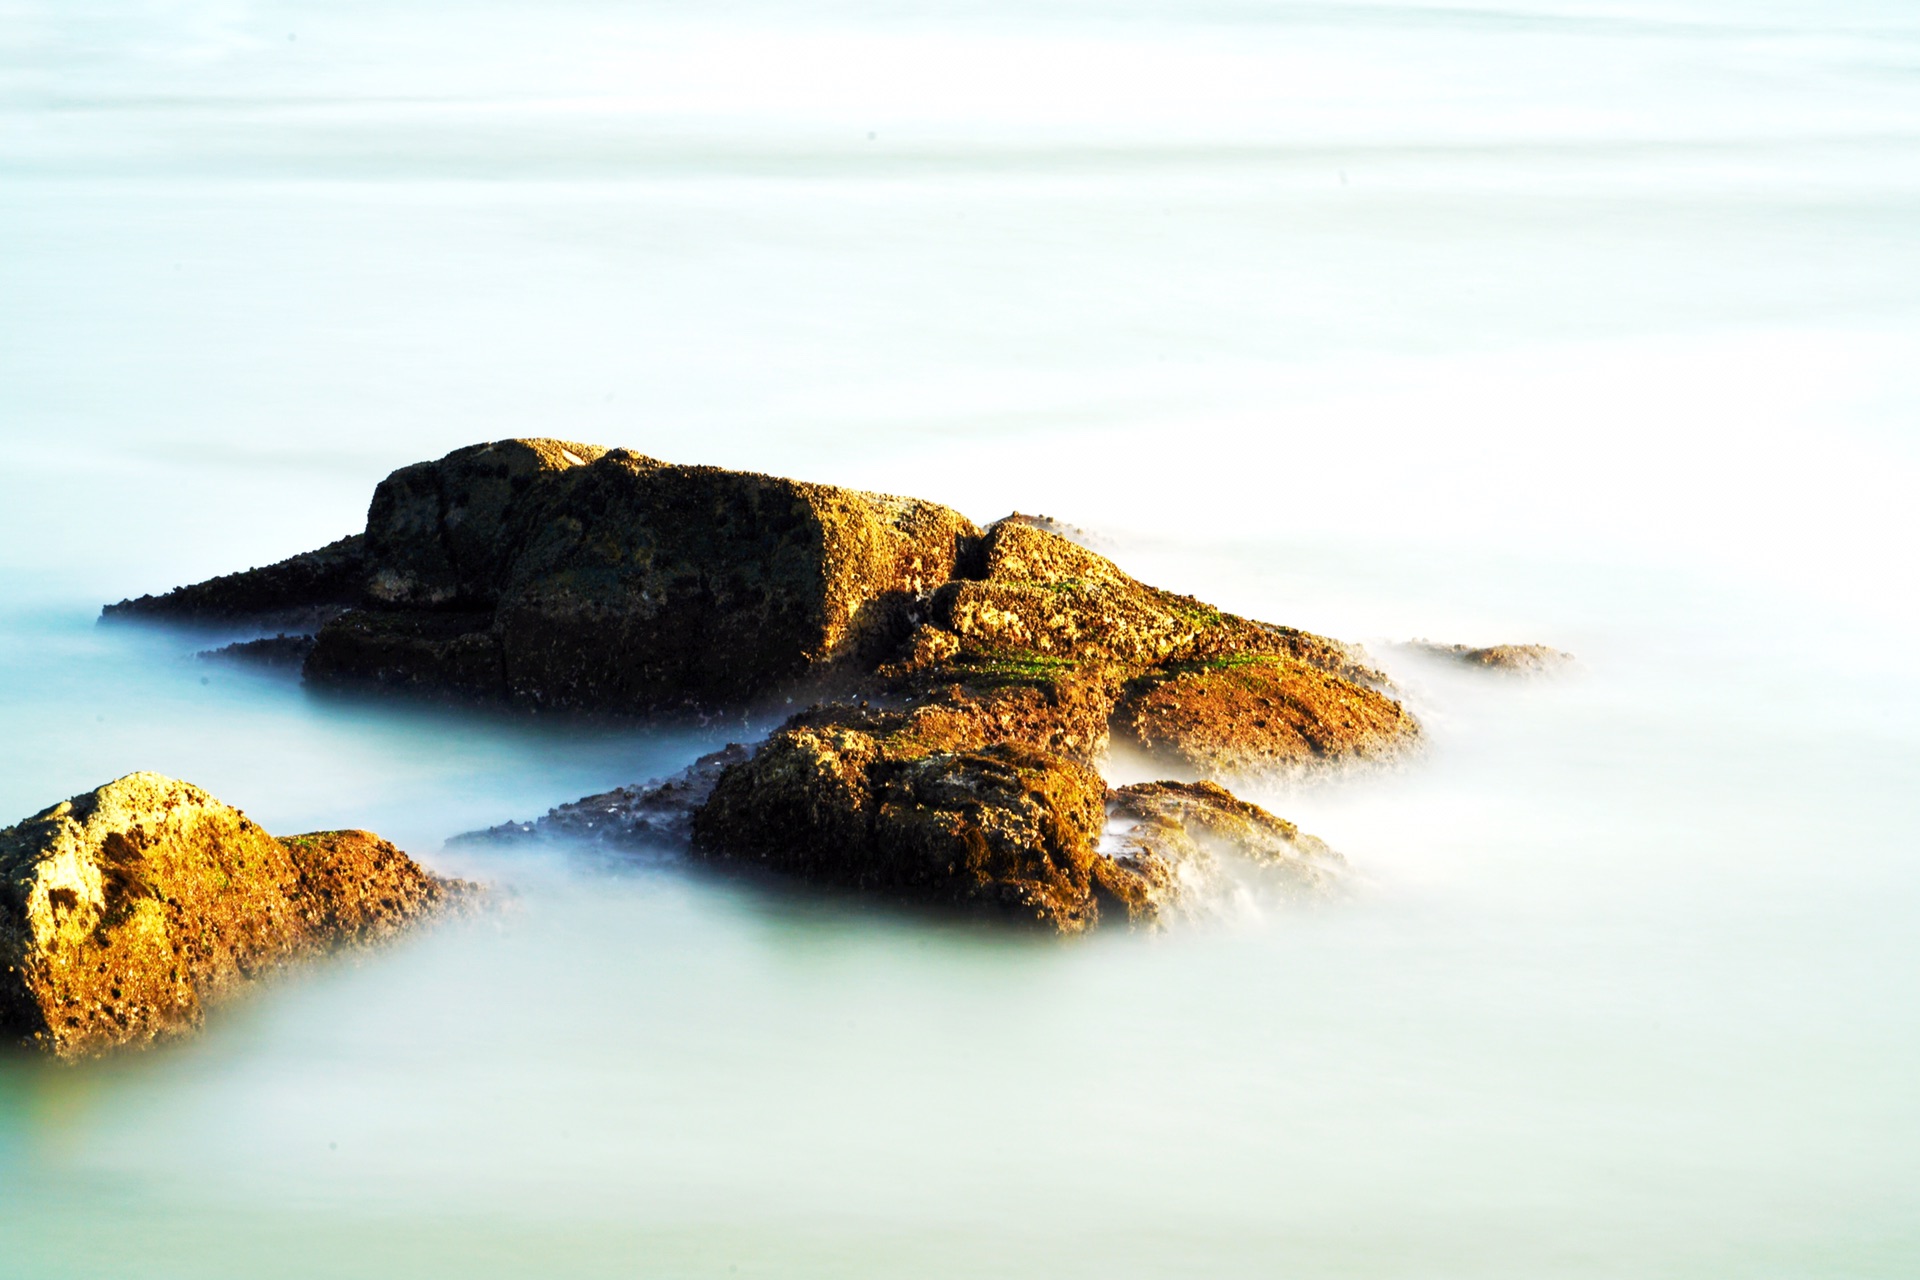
[1586,323]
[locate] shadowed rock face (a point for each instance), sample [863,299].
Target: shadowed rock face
[1004,829]
[126,910]
[300,592]
[553,574]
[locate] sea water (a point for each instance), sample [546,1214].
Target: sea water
[1533,320]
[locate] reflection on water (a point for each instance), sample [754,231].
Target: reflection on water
[1592,325]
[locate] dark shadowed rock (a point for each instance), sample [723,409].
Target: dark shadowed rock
[1527,659]
[645,585]
[126,910]
[453,654]
[552,574]
[297,593]
[281,651]
[655,814]
[445,532]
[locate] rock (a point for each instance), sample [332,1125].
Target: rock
[970,680]
[552,574]
[453,655]
[965,776]
[1528,659]
[657,813]
[646,585]
[282,651]
[125,911]
[1071,532]
[1005,829]
[446,532]
[1183,829]
[1042,595]
[297,593]
[1259,714]
[1181,680]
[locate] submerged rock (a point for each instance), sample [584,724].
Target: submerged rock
[1530,659]
[125,911]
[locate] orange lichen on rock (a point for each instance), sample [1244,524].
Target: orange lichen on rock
[126,910]
[1258,715]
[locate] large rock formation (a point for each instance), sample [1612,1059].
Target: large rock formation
[126,910]
[973,678]
[552,574]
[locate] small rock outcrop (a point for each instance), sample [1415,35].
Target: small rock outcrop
[301,592]
[1524,659]
[649,814]
[125,911]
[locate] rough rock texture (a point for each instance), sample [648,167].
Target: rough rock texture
[126,910]
[1260,714]
[972,679]
[1005,829]
[301,591]
[1528,659]
[554,574]
[565,575]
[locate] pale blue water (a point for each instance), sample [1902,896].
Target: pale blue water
[1586,323]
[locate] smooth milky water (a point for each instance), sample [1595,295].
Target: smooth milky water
[1593,324]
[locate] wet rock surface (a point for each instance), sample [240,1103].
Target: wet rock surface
[127,910]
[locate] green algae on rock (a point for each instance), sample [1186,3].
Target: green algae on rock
[126,910]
